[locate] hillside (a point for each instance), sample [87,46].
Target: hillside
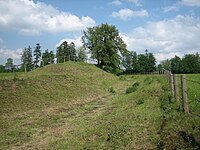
[79,106]
[58,83]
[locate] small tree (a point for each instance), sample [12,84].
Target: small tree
[81,54]
[9,64]
[27,59]
[37,55]
[66,52]
[48,57]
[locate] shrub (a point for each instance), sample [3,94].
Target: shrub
[122,78]
[140,101]
[111,89]
[133,88]
[135,84]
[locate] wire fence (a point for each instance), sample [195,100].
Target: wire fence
[185,89]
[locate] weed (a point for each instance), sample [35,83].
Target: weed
[133,88]
[140,101]
[111,90]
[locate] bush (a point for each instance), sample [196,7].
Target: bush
[133,88]
[111,89]
[140,101]
[122,78]
[136,84]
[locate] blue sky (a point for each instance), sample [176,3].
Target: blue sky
[164,27]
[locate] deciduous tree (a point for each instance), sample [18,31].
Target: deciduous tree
[105,45]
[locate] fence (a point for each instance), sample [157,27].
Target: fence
[182,101]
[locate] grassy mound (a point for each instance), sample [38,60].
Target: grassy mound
[57,83]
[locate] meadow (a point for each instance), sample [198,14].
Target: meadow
[79,106]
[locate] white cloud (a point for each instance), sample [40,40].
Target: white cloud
[164,56]
[116,2]
[191,2]
[7,53]
[174,7]
[136,2]
[1,41]
[76,40]
[166,38]
[125,14]
[32,18]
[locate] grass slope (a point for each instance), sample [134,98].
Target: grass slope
[68,106]
[79,106]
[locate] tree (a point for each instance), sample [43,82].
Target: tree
[2,69]
[128,61]
[176,65]
[105,45]
[72,50]
[37,55]
[47,57]
[143,63]
[166,64]
[160,69]
[9,64]
[27,60]
[135,64]
[66,52]
[191,63]
[81,54]
[151,62]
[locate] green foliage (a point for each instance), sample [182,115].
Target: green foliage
[140,101]
[133,88]
[37,55]
[111,89]
[190,63]
[166,64]
[47,57]
[142,63]
[105,44]
[130,62]
[122,78]
[27,60]
[65,52]
[81,54]
[2,69]
[9,64]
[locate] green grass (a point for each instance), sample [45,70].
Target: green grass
[193,89]
[72,106]
[180,130]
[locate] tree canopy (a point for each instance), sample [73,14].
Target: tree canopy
[66,51]
[105,45]
[27,59]
[190,63]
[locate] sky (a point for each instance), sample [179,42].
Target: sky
[165,27]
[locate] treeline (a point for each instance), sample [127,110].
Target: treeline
[33,58]
[142,63]
[104,45]
[190,63]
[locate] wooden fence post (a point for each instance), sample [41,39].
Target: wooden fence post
[172,84]
[184,94]
[176,94]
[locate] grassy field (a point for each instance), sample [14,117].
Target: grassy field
[79,106]
[180,130]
